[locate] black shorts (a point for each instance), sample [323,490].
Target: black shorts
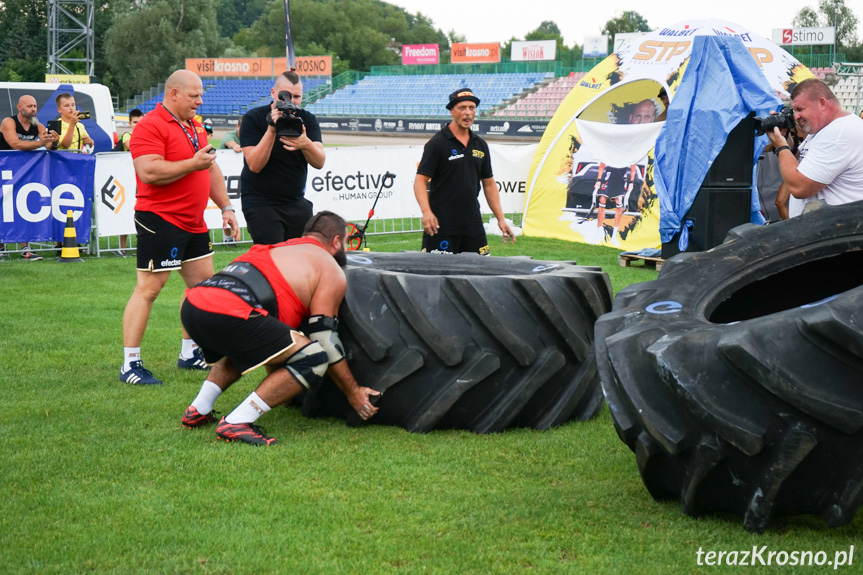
[248,343]
[163,247]
[276,224]
[617,197]
[456,244]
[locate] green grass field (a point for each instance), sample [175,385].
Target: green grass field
[100,477]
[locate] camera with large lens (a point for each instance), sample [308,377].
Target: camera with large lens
[290,125]
[784,119]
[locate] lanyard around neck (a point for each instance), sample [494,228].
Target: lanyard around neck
[193,137]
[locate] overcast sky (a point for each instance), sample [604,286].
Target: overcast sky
[500,20]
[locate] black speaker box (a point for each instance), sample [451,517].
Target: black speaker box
[732,168]
[713,213]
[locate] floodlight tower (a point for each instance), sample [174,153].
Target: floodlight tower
[70,28]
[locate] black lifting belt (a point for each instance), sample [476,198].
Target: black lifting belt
[247,281]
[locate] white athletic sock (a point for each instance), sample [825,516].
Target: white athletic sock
[130,354]
[208,395]
[188,349]
[249,411]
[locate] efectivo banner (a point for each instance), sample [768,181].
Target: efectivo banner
[348,184]
[39,189]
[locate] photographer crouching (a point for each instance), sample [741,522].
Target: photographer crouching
[279,142]
[830,165]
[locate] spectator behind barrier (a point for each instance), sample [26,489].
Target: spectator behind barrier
[231,139]
[73,135]
[22,132]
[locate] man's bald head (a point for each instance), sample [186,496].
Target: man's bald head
[183,91]
[27,106]
[181,79]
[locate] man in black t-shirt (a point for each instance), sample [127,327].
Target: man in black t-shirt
[273,179]
[22,131]
[454,163]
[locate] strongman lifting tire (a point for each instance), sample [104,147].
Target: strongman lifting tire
[469,342]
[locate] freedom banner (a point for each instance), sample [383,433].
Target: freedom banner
[38,188]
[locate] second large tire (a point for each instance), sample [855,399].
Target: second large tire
[736,377]
[469,342]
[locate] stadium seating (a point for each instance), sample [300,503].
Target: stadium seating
[422,95]
[849,93]
[232,96]
[542,103]
[820,72]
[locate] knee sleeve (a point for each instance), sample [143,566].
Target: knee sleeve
[308,365]
[323,329]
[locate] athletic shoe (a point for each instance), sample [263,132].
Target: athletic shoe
[138,375]
[30,256]
[192,418]
[195,362]
[4,256]
[245,432]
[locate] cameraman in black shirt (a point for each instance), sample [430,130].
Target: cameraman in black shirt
[273,180]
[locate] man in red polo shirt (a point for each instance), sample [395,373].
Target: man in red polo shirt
[176,173]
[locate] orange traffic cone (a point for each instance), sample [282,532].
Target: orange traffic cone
[70,251]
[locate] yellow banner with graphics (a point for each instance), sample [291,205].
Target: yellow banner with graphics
[67,79]
[591,180]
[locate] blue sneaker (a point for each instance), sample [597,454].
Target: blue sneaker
[195,362]
[138,375]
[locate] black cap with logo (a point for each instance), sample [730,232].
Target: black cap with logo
[461,95]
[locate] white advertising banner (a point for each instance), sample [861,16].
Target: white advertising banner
[511,165]
[231,164]
[533,50]
[348,184]
[804,36]
[595,46]
[114,183]
[623,38]
[115,186]
[352,176]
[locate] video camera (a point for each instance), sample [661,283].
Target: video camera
[290,125]
[784,119]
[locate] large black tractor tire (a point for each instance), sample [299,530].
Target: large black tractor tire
[736,377]
[469,342]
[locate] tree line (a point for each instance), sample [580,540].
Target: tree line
[139,42]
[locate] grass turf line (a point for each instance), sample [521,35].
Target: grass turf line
[100,477]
